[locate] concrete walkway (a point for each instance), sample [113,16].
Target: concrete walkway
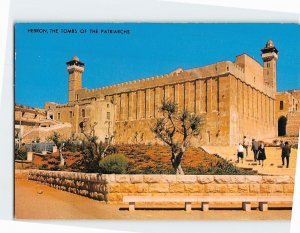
[37,201]
[272,165]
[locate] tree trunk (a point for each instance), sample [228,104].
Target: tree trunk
[62,160]
[179,170]
[176,162]
[103,154]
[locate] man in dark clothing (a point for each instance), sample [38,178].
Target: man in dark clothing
[286,151]
[254,148]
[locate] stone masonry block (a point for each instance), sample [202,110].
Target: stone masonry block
[109,177]
[136,179]
[243,188]
[254,188]
[159,188]
[265,188]
[269,179]
[205,179]
[128,188]
[123,178]
[187,179]
[154,179]
[222,179]
[194,188]
[114,187]
[277,188]
[237,179]
[176,188]
[141,187]
[170,178]
[253,179]
[284,180]
[232,188]
[215,188]
[271,188]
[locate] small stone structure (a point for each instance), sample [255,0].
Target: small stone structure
[113,187]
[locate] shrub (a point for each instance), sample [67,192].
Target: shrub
[114,163]
[44,167]
[70,146]
[223,167]
[21,153]
[55,168]
[36,149]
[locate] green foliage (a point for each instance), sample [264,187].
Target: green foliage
[70,145]
[56,139]
[44,167]
[89,162]
[114,164]
[223,167]
[21,153]
[55,168]
[36,149]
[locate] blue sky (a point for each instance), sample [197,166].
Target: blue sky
[149,50]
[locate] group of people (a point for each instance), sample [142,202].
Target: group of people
[257,148]
[260,153]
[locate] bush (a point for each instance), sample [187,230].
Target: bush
[43,167]
[114,164]
[21,153]
[223,167]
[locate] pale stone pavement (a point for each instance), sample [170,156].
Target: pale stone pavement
[37,201]
[272,165]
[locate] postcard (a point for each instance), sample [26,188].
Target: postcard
[187,121]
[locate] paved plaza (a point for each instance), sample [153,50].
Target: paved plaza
[272,165]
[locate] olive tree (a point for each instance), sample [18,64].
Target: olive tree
[56,139]
[98,150]
[176,129]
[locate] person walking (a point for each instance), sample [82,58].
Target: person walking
[245,145]
[286,151]
[240,153]
[261,154]
[254,148]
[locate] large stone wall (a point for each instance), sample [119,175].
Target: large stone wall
[252,112]
[293,124]
[114,187]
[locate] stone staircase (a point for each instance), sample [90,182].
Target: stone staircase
[272,165]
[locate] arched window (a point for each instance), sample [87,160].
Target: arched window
[282,126]
[83,112]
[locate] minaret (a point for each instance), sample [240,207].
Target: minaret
[75,68]
[270,55]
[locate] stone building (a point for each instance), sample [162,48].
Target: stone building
[234,98]
[288,112]
[32,125]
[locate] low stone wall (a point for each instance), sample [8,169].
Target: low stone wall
[114,187]
[85,184]
[21,174]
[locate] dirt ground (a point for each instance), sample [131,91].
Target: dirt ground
[37,201]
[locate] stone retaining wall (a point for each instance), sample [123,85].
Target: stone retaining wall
[114,187]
